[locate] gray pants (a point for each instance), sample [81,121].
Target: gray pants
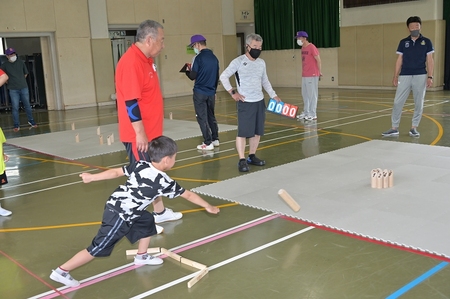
[310,93]
[418,85]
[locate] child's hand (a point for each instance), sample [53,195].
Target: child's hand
[86,177]
[5,158]
[212,209]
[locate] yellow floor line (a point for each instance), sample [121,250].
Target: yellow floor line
[11,230]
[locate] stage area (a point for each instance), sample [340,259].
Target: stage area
[333,190]
[63,144]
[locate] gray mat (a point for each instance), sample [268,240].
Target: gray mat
[333,190]
[63,144]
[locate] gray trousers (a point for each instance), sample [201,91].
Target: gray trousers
[310,93]
[418,85]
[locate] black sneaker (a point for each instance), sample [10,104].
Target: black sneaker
[243,166]
[414,133]
[255,161]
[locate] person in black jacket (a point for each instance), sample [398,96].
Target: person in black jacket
[204,69]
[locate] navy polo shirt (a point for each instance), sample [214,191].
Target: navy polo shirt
[414,55]
[206,65]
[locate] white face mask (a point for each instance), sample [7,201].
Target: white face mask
[14,58]
[196,50]
[299,42]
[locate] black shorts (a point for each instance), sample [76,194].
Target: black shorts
[114,228]
[3,178]
[251,118]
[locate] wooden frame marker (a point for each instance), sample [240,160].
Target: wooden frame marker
[183,260]
[197,277]
[289,200]
[203,268]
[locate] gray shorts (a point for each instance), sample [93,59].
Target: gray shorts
[251,118]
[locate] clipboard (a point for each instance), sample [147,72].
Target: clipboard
[185,68]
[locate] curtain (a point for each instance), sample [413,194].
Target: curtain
[273,21]
[277,21]
[320,19]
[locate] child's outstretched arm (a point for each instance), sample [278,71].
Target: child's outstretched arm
[105,175]
[194,198]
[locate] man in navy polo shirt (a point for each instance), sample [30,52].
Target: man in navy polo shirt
[205,71]
[413,71]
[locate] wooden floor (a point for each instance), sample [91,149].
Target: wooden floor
[250,253]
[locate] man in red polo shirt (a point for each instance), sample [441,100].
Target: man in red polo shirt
[140,103]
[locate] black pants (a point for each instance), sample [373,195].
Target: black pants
[204,108]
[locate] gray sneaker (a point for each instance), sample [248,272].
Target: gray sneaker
[414,133]
[390,132]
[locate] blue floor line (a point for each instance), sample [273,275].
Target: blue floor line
[418,280]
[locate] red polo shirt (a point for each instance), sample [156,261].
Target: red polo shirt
[136,78]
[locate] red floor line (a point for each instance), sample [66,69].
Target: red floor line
[403,248]
[32,274]
[222,235]
[182,248]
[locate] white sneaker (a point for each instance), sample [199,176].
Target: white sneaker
[4,212]
[216,143]
[310,117]
[159,229]
[205,147]
[64,278]
[148,260]
[301,116]
[168,215]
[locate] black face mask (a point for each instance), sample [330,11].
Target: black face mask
[254,53]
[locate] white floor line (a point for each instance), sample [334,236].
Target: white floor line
[223,263]
[40,190]
[46,179]
[171,249]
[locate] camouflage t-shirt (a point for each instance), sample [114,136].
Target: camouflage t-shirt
[145,183]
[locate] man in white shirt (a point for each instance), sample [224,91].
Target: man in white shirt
[251,77]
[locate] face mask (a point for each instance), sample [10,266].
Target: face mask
[254,53]
[415,33]
[14,58]
[196,50]
[299,42]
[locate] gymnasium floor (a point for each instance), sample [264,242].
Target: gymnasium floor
[250,252]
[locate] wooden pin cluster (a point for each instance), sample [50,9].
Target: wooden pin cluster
[381,178]
[109,138]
